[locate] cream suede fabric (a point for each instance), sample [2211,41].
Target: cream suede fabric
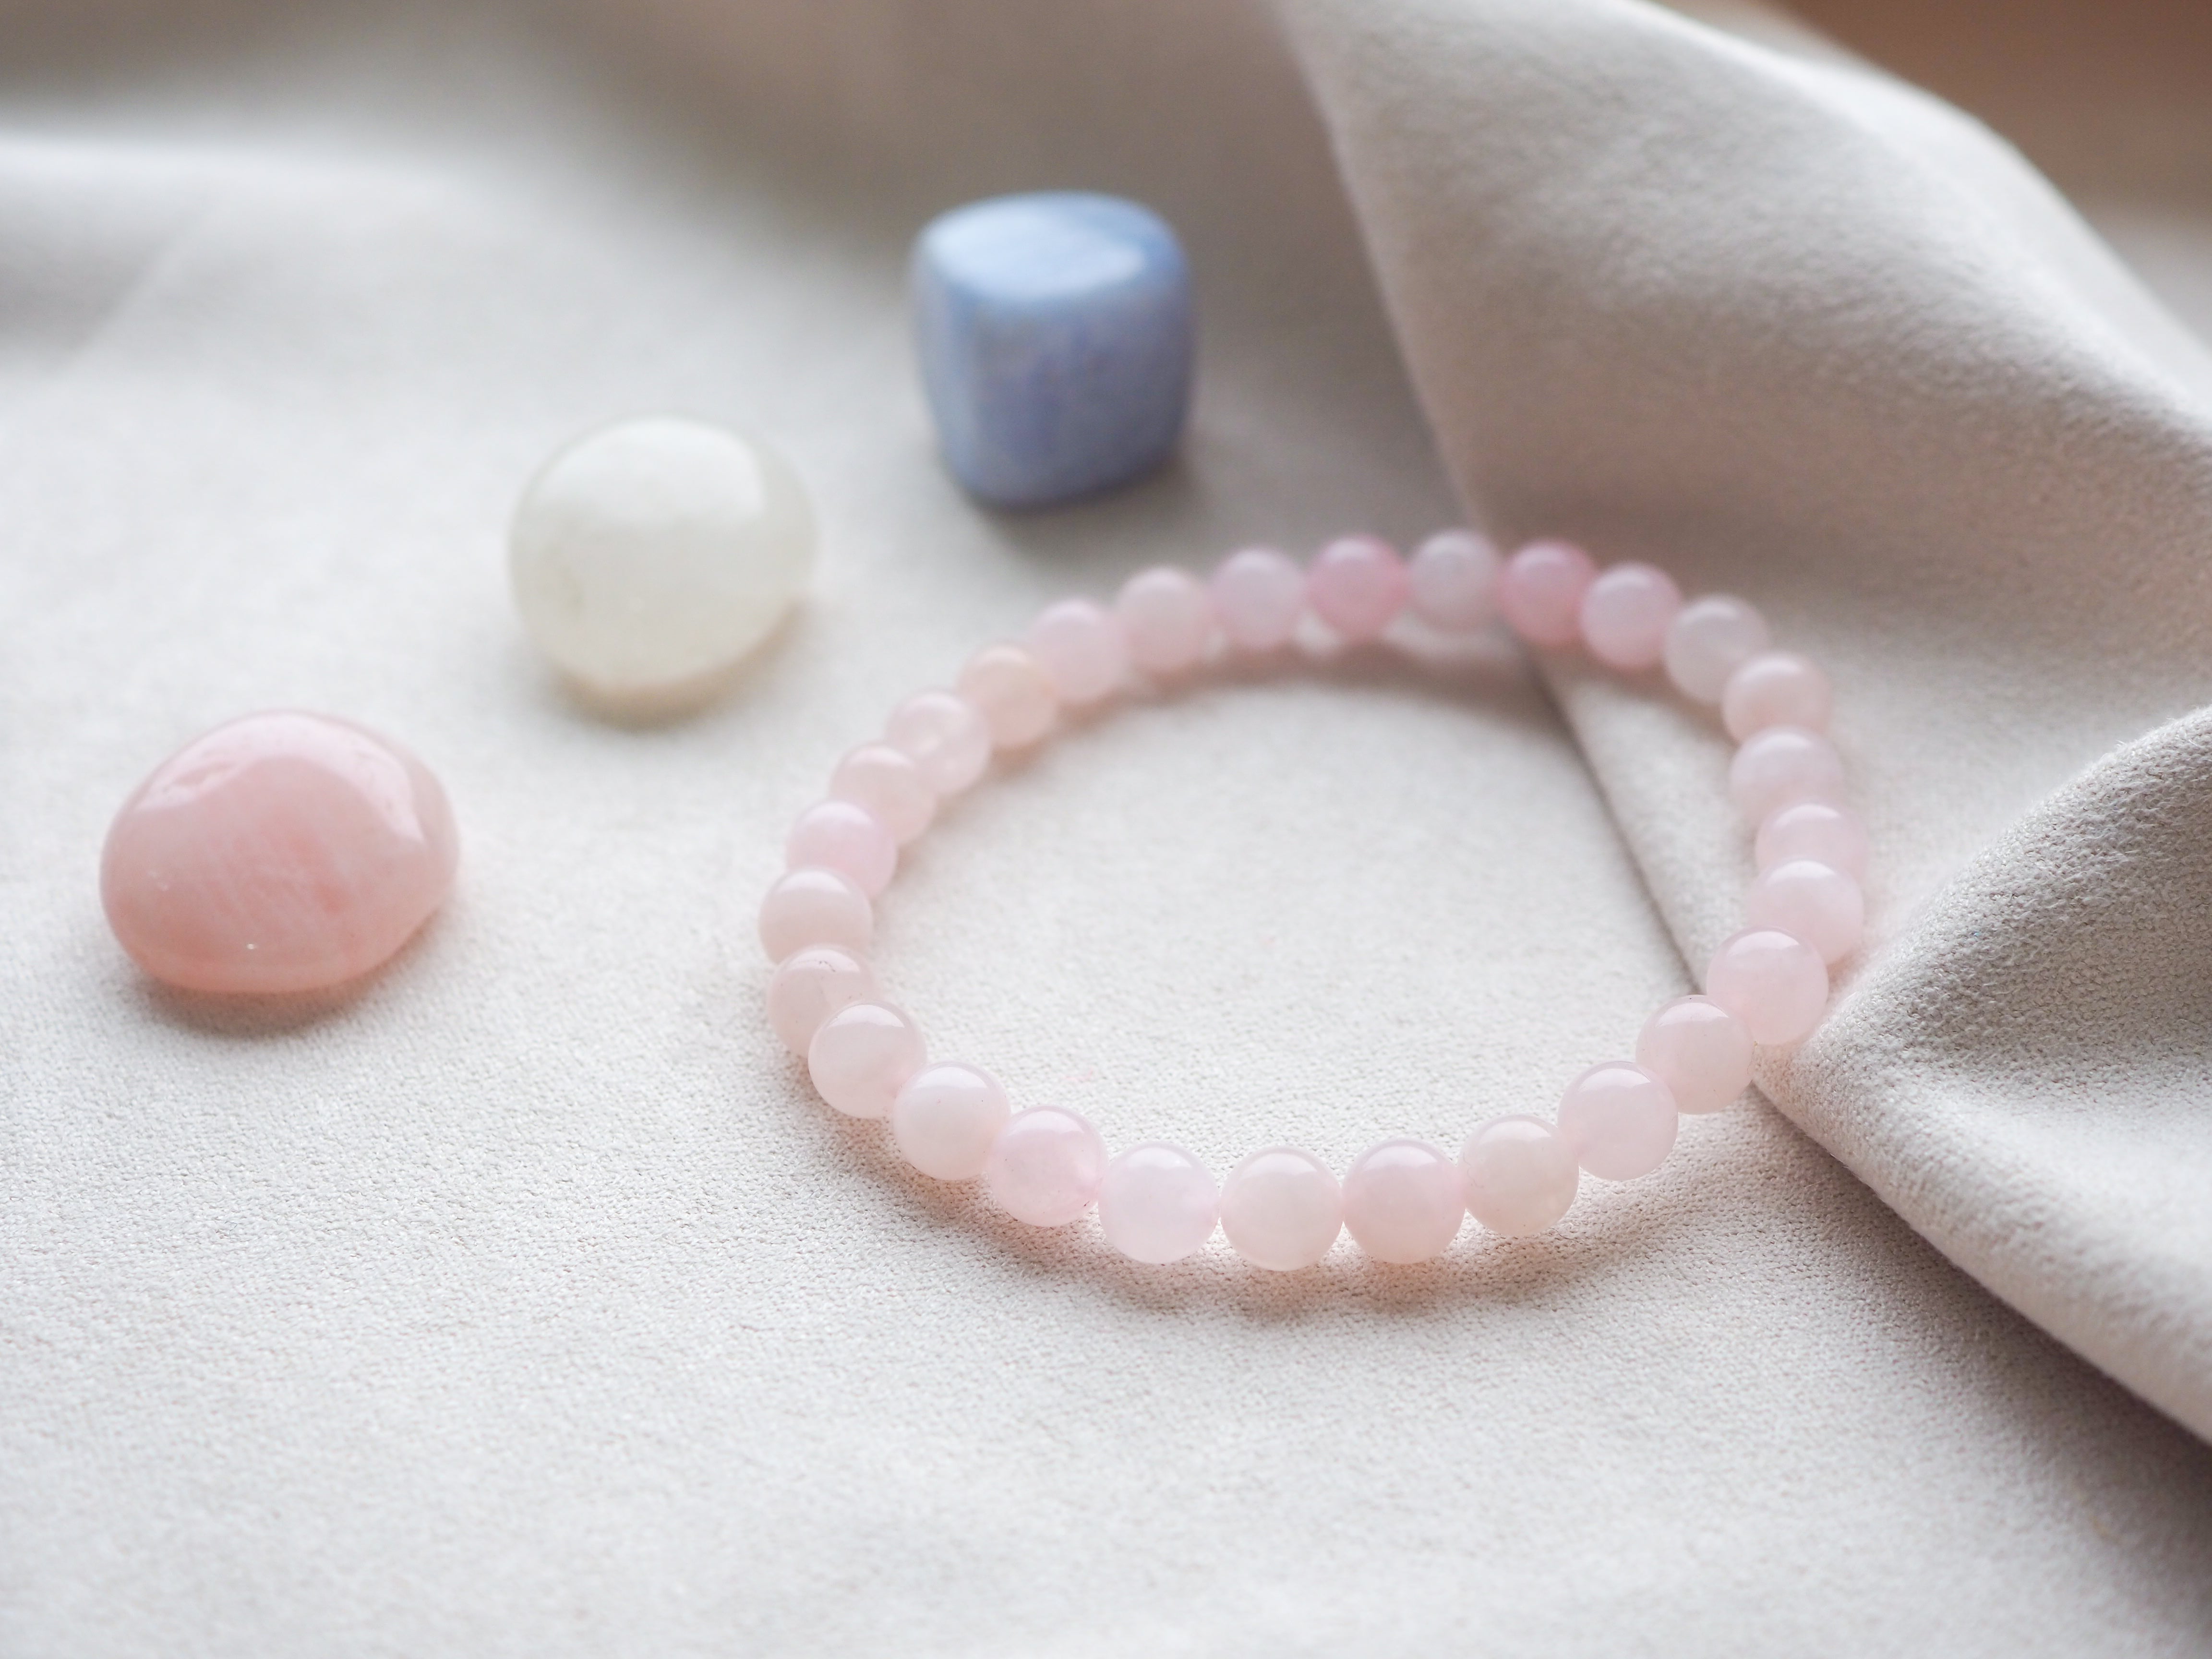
[527,1302]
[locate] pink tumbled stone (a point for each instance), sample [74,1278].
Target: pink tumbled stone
[1082,649]
[1625,613]
[1282,1209]
[1814,830]
[1158,1203]
[861,1056]
[1452,582]
[1618,1120]
[945,736]
[1404,1201]
[1357,586]
[1521,1175]
[1168,618]
[1773,981]
[1708,641]
[838,835]
[887,783]
[1046,1166]
[1541,592]
[1258,596]
[1699,1050]
[816,906]
[282,852]
[1776,688]
[945,1119]
[1810,901]
[811,985]
[1780,766]
[1011,689]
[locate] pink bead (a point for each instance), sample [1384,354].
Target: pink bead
[851,840]
[1708,641]
[1699,1050]
[1775,983]
[1404,1201]
[816,906]
[1776,688]
[1158,1203]
[887,783]
[1010,689]
[1618,1120]
[1814,830]
[862,1056]
[1521,1175]
[282,852]
[1081,648]
[945,1119]
[1452,583]
[1780,766]
[945,736]
[1046,1166]
[1258,597]
[1812,902]
[1282,1209]
[812,984]
[1541,592]
[1625,613]
[1357,586]
[1168,617]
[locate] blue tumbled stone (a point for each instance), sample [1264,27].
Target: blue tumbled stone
[1055,332]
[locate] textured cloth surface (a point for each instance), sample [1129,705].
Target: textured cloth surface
[527,1302]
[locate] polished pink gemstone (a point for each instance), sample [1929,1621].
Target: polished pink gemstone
[1282,1209]
[1258,596]
[1708,641]
[1015,696]
[862,1056]
[1699,1050]
[816,906]
[1046,1166]
[887,783]
[946,1117]
[835,835]
[811,985]
[1452,582]
[1081,648]
[1812,900]
[1521,1175]
[1625,613]
[1814,830]
[1168,618]
[1158,1203]
[1773,981]
[1357,586]
[282,852]
[1541,592]
[1780,766]
[1776,688]
[945,735]
[1404,1201]
[1620,1120]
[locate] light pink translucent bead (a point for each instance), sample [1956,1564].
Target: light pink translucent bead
[1452,583]
[1541,592]
[1081,648]
[811,985]
[1357,586]
[1814,830]
[1404,1201]
[1282,1209]
[1780,766]
[1046,1166]
[1699,1050]
[1521,1175]
[1258,597]
[862,1056]
[839,836]
[1708,641]
[815,906]
[945,736]
[1618,1120]
[1773,981]
[1815,902]
[1625,613]
[1013,693]
[1168,617]
[887,783]
[1158,1203]
[1776,688]
[945,1119]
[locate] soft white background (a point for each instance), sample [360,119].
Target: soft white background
[527,1302]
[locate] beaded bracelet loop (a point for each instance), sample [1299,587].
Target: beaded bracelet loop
[1403,1200]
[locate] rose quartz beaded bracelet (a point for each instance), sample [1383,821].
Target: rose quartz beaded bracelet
[1403,1200]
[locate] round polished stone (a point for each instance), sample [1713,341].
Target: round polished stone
[1282,1209]
[946,1117]
[1357,586]
[888,782]
[1541,592]
[1158,1203]
[1258,595]
[1013,693]
[1814,830]
[944,734]
[282,852]
[862,1056]
[1773,981]
[811,985]
[816,906]
[1404,1201]
[837,835]
[1781,765]
[1521,1175]
[1082,648]
[1776,688]
[1811,901]
[1167,616]
[1452,581]
[1620,1120]
[1625,613]
[1699,1050]
[1708,641]
[1046,1166]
